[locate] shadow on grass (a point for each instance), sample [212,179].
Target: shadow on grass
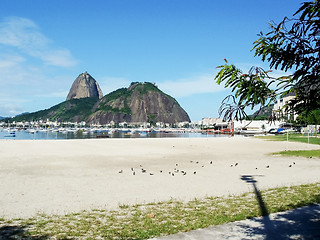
[262,205]
[18,232]
[302,223]
[267,224]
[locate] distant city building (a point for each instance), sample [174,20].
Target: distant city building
[210,121]
[216,124]
[280,111]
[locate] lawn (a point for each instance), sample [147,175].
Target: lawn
[296,138]
[158,219]
[300,153]
[293,137]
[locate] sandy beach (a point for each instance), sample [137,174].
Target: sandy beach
[63,176]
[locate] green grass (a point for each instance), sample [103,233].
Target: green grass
[293,137]
[157,219]
[300,153]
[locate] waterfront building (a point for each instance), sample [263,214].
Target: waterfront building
[280,110]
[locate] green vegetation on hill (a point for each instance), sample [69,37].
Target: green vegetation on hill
[263,114]
[143,88]
[121,92]
[106,104]
[116,106]
[122,97]
[66,111]
[75,108]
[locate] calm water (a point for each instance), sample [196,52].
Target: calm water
[24,135]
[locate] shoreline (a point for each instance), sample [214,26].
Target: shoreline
[64,176]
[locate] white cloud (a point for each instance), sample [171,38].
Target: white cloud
[20,81]
[22,45]
[9,110]
[55,94]
[189,86]
[10,107]
[25,35]
[10,61]
[110,84]
[58,57]
[22,33]
[15,72]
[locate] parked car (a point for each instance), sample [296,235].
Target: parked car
[272,131]
[280,131]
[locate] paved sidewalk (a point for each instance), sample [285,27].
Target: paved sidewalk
[301,223]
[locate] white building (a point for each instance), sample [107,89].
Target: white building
[256,125]
[210,121]
[279,108]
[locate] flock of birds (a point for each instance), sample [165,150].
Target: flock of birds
[173,172]
[176,170]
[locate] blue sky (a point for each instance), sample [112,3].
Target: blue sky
[177,44]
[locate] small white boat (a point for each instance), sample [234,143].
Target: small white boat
[31,130]
[252,131]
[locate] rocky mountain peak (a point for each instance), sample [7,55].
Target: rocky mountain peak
[141,102]
[84,86]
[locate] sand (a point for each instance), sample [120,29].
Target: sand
[64,176]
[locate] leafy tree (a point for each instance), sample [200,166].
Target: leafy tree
[312,117]
[293,44]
